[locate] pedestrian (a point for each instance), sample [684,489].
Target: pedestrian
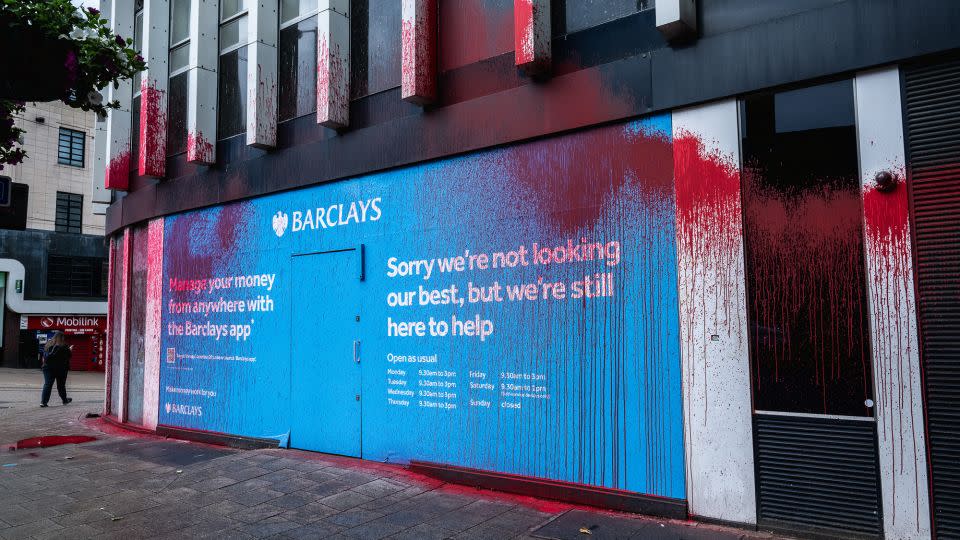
[55,365]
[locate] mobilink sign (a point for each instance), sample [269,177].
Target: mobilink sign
[512,310]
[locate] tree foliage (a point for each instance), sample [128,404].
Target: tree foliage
[78,51]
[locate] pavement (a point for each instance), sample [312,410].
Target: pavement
[129,485]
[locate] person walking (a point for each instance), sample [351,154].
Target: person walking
[55,365]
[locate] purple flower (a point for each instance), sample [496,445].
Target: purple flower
[93,11]
[72,66]
[120,41]
[139,58]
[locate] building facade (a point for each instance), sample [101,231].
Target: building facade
[695,259]
[53,258]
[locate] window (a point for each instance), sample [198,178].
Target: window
[232,72]
[179,63]
[298,58]
[135,103]
[803,233]
[76,276]
[70,147]
[69,212]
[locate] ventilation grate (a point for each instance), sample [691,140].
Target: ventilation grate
[818,472]
[932,95]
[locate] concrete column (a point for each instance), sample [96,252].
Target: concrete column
[419,51]
[893,311]
[717,409]
[153,325]
[117,167]
[531,35]
[262,90]
[124,337]
[333,63]
[153,89]
[202,82]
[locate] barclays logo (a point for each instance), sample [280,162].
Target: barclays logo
[184,410]
[280,221]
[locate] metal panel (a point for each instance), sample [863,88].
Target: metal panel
[893,320]
[118,162]
[202,82]
[262,101]
[153,89]
[932,96]
[817,472]
[419,51]
[713,313]
[333,65]
[532,35]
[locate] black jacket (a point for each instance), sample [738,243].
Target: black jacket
[58,358]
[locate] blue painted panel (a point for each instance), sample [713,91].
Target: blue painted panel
[325,374]
[550,349]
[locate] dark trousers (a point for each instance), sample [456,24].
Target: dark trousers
[49,376]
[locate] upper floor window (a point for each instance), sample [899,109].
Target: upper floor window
[179,64]
[69,212]
[298,58]
[70,147]
[232,72]
[135,102]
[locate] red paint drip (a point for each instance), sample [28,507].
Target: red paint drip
[471,30]
[709,244]
[152,159]
[118,172]
[524,30]
[804,247]
[51,440]
[332,88]
[199,149]
[418,41]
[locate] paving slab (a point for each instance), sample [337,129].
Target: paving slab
[127,486]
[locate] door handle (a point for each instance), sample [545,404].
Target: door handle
[356,351]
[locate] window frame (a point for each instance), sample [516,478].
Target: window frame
[73,135]
[72,201]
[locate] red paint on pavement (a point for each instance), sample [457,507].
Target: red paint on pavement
[51,440]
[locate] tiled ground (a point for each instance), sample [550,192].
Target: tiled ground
[132,486]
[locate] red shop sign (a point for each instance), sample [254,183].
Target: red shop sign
[67,323]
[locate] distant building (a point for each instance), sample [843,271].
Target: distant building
[53,260]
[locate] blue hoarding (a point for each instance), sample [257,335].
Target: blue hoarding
[513,310]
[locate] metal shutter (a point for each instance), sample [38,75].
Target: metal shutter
[818,473]
[932,94]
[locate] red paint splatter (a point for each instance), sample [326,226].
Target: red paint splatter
[531,26]
[118,172]
[709,246]
[199,149]
[418,51]
[153,130]
[895,334]
[333,100]
[262,119]
[580,200]
[472,30]
[804,252]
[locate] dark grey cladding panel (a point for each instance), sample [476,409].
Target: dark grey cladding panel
[838,38]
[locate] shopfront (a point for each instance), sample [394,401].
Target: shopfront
[85,333]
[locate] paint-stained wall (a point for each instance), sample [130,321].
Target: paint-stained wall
[572,371]
[893,313]
[713,316]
